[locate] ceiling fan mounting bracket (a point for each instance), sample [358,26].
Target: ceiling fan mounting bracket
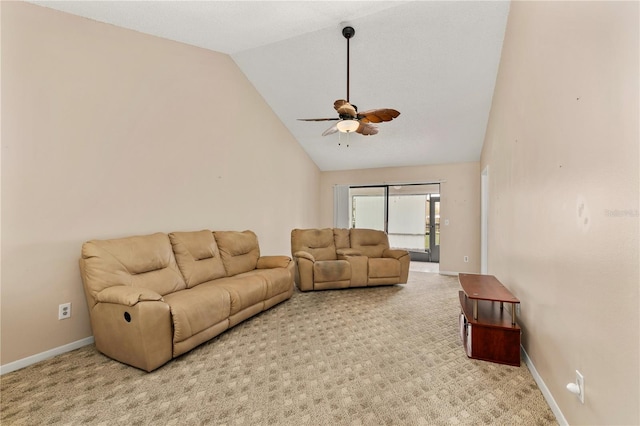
[348,32]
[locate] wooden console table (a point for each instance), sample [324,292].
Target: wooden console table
[489,332]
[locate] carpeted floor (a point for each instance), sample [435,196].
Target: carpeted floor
[374,356]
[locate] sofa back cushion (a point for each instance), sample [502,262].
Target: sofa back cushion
[145,261]
[370,242]
[341,238]
[239,250]
[318,242]
[198,256]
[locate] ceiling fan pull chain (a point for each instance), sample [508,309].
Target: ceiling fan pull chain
[340,138]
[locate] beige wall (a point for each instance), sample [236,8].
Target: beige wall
[459,203]
[562,149]
[107,133]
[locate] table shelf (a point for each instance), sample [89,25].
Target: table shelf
[487,328]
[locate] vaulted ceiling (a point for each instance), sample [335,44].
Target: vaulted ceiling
[434,61]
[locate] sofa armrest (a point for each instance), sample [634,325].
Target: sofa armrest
[304,255]
[394,253]
[128,296]
[348,252]
[269,262]
[133,326]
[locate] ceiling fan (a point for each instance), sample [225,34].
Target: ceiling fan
[349,119]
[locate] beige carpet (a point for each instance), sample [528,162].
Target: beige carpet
[376,356]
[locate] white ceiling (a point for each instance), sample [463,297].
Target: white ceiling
[434,61]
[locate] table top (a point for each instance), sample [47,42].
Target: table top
[485,287]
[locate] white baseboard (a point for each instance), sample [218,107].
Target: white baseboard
[25,362]
[544,389]
[453,274]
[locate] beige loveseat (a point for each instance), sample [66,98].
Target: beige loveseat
[152,298]
[339,258]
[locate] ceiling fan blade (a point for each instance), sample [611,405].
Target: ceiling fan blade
[367,129]
[318,119]
[344,108]
[378,115]
[331,130]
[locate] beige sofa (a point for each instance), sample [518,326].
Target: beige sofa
[333,258]
[152,298]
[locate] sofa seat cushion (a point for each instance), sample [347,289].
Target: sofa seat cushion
[383,268]
[277,280]
[331,270]
[245,290]
[196,309]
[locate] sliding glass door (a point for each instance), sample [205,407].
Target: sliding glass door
[410,214]
[407,212]
[368,207]
[433,227]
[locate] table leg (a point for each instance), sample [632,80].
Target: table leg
[475,309]
[513,314]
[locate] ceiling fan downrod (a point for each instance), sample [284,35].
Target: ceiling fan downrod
[348,32]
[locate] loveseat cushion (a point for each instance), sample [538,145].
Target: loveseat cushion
[331,270]
[341,238]
[239,250]
[383,268]
[370,242]
[198,256]
[145,261]
[318,242]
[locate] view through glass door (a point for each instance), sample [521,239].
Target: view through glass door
[409,213]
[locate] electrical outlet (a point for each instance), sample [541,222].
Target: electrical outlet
[466,259]
[580,383]
[64,311]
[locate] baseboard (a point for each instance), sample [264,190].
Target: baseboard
[544,389]
[453,274]
[25,362]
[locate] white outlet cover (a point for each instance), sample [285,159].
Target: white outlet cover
[64,311]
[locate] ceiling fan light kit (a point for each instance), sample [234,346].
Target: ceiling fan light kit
[349,119]
[348,126]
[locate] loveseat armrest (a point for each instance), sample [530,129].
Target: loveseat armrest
[128,296]
[304,255]
[270,262]
[403,257]
[394,253]
[303,273]
[348,252]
